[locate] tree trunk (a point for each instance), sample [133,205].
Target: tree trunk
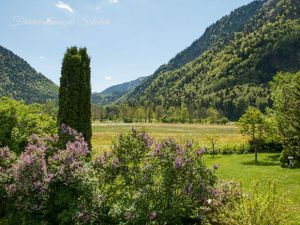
[255,155]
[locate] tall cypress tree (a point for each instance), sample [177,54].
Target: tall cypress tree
[75,92]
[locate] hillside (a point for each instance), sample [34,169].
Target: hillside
[232,72]
[221,31]
[113,93]
[20,81]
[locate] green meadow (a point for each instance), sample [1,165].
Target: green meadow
[104,133]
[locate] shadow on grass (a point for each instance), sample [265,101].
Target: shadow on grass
[261,163]
[274,157]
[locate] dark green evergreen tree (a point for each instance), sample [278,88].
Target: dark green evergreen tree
[75,92]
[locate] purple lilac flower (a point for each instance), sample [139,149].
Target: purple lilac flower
[115,162]
[128,216]
[157,149]
[148,140]
[101,160]
[178,162]
[201,151]
[166,142]
[189,144]
[84,217]
[179,150]
[4,153]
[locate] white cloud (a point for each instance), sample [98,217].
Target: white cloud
[64,6]
[42,57]
[107,78]
[113,1]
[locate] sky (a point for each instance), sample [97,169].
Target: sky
[125,39]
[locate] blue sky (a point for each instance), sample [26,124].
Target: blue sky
[126,39]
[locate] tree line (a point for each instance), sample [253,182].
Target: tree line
[151,113]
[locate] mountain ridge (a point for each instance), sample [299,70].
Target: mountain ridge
[113,93]
[19,80]
[207,40]
[232,74]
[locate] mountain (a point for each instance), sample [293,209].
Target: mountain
[115,92]
[240,55]
[219,32]
[20,81]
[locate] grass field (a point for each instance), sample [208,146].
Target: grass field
[238,168]
[104,133]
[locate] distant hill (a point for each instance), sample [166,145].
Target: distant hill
[229,67]
[20,81]
[113,93]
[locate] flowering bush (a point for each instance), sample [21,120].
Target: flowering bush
[150,183]
[6,160]
[53,186]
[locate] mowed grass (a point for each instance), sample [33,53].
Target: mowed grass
[105,133]
[239,168]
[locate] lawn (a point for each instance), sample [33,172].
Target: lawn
[241,168]
[238,168]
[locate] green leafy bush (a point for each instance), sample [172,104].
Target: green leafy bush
[150,183]
[266,207]
[19,121]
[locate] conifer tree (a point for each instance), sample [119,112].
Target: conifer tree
[75,92]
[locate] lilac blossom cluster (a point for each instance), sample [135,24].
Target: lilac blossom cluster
[44,171]
[163,179]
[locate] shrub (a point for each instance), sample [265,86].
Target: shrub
[290,151]
[223,120]
[255,208]
[266,146]
[53,186]
[150,183]
[6,160]
[19,121]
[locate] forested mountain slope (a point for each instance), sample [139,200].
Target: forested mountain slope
[221,31]
[20,81]
[113,93]
[232,74]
